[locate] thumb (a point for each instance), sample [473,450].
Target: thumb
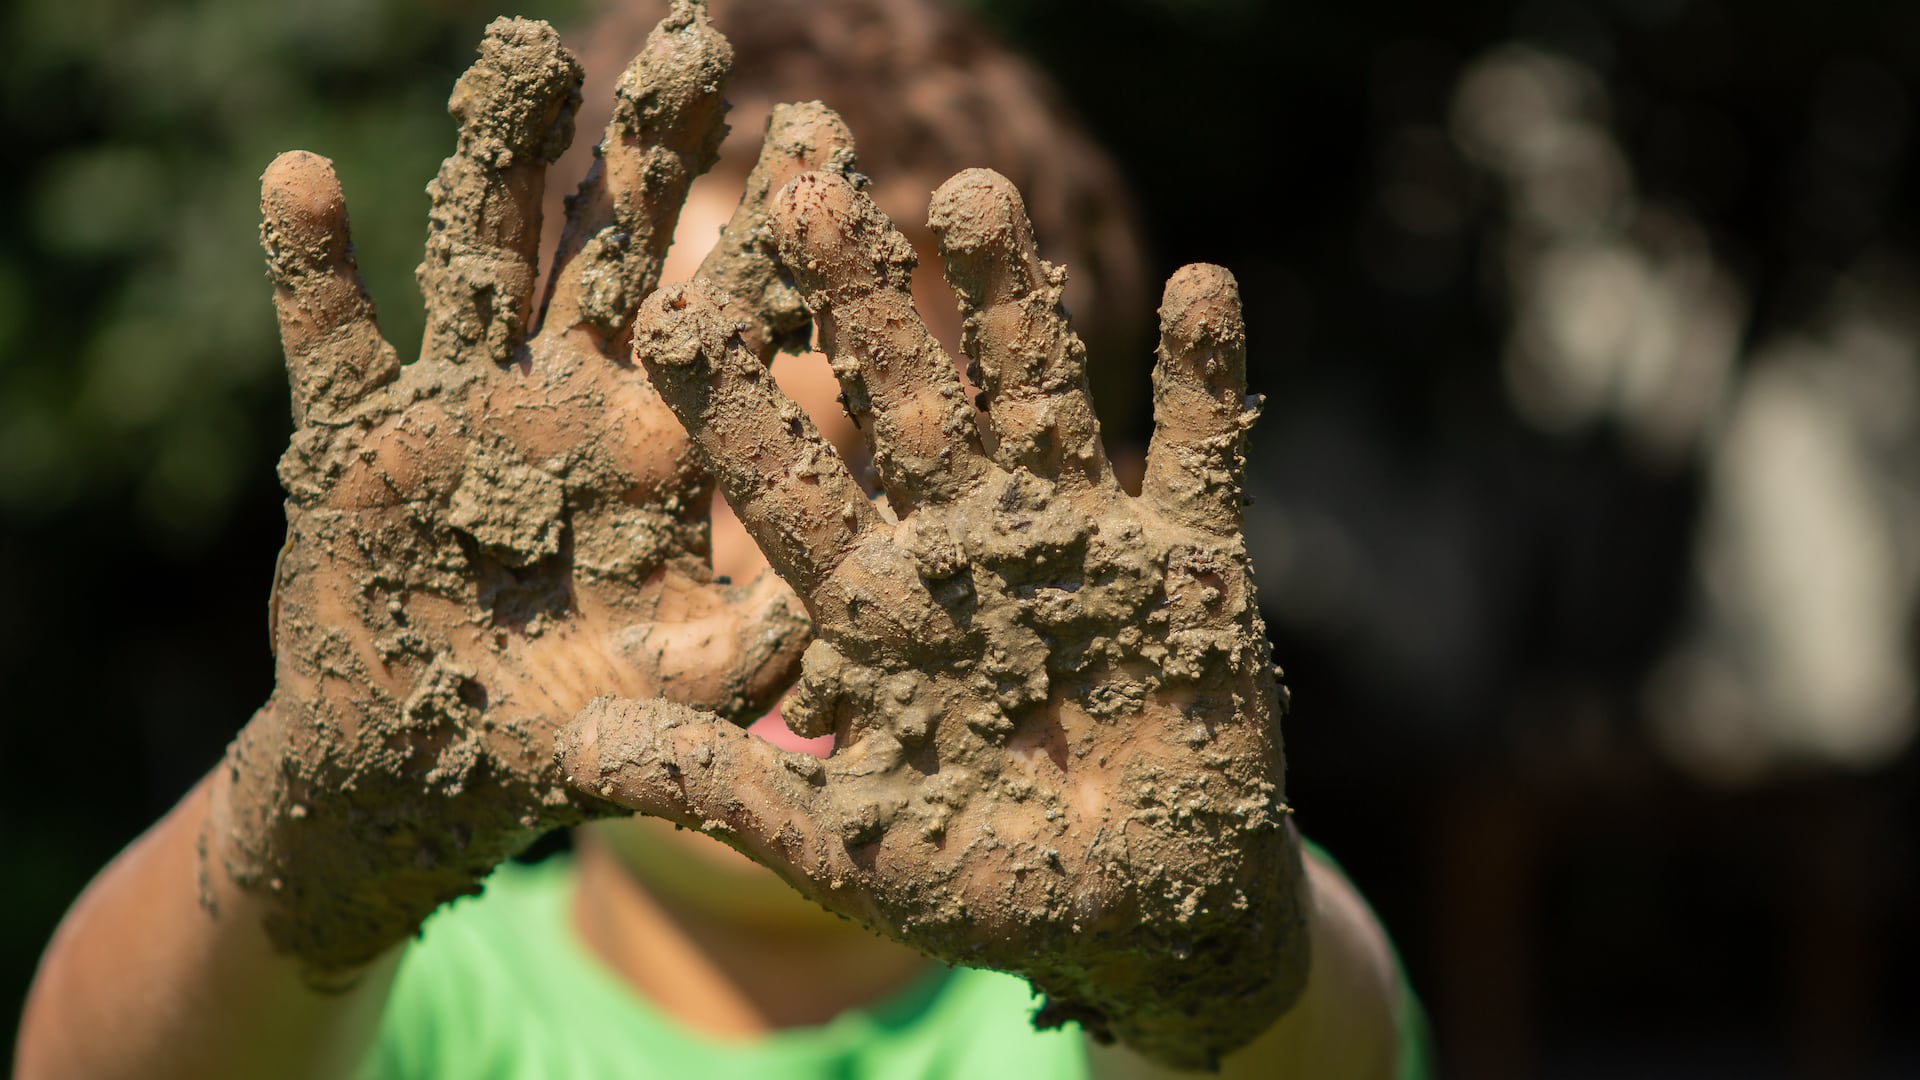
[666,760]
[733,649]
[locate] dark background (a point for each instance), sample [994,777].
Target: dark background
[1470,735]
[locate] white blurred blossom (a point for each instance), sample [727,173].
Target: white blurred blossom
[1802,651]
[1619,310]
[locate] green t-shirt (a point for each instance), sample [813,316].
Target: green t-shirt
[501,987]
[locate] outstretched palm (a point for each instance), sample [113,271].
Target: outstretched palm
[1053,704]
[481,540]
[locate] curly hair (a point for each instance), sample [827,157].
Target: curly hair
[927,92]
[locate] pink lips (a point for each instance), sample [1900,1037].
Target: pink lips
[773,728]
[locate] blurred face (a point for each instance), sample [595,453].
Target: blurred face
[680,863]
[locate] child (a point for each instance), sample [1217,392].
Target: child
[472,557]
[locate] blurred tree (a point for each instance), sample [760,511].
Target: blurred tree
[137,354]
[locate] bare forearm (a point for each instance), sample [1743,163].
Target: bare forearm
[1345,1025]
[141,979]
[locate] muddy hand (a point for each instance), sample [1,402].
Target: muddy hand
[482,540]
[1054,709]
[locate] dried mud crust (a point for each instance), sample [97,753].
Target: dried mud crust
[480,541]
[1054,704]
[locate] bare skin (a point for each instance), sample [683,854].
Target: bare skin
[481,540]
[1052,703]
[184,994]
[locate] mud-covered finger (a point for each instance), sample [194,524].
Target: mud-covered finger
[1020,350]
[800,138]
[855,271]
[515,109]
[668,120]
[335,354]
[1197,462]
[731,649]
[695,770]
[792,492]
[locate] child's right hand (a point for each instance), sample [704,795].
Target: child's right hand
[480,541]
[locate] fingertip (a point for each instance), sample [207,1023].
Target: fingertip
[1203,337]
[576,746]
[808,131]
[808,205]
[684,326]
[620,749]
[1206,276]
[976,212]
[304,210]
[680,73]
[300,185]
[1200,309]
[830,233]
[519,97]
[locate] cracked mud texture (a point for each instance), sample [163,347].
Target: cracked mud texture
[1055,710]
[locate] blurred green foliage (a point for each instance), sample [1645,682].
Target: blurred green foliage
[138,358]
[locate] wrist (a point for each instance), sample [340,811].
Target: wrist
[321,850]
